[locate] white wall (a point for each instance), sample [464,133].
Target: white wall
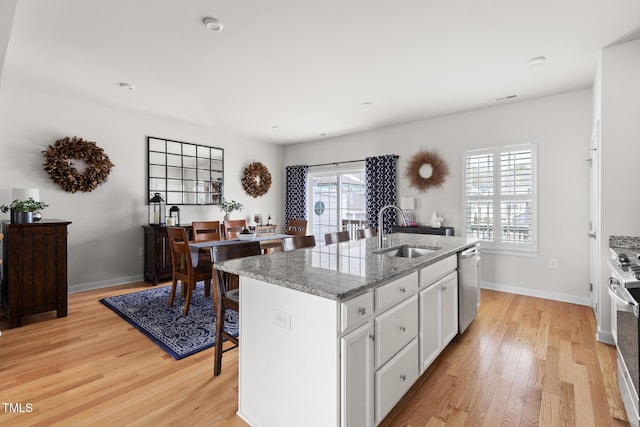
[560,124]
[106,233]
[619,115]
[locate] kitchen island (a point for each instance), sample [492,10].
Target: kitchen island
[335,335]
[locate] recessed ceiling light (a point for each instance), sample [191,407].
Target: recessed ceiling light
[127,86]
[537,60]
[275,127]
[367,104]
[323,134]
[213,24]
[505,98]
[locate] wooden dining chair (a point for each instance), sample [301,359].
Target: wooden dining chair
[298,242]
[232,227]
[336,237]
[206,230]
[227,298]
[296,227]
[364,233]
[183,269]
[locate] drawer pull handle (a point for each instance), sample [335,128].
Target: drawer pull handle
[403,329]
[403,290]
[403,377]
[362,311]
[372,337]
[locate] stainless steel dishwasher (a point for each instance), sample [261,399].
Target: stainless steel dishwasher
[468,286]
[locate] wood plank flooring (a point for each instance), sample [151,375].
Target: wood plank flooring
[523,362]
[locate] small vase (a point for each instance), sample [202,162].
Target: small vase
[226,217]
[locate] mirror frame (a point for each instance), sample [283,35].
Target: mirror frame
[184,173]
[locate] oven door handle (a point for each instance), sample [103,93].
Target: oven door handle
[623,298]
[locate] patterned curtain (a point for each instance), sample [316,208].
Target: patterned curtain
[295,193]
[380,173]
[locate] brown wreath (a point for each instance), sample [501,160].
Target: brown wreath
[62,171]
[256,180]
[439,166]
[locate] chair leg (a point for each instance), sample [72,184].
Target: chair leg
[217,362]
[207,287]
[187,301]
[172,295]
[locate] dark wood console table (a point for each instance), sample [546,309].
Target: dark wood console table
[157,253]
[422,229]
[35,269]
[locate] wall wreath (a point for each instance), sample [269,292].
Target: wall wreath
[58,163]
[256,180]
[420,179]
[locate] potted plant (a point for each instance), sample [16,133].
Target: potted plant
[229,206]
[22,211]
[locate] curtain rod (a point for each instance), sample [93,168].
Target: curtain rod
[339,163]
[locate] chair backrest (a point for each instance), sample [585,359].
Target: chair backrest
[206,230]
[232,227]
[298,242]
[364,233]
[296,227]
[180,255]
[339,236]
[265,230]
[231,251]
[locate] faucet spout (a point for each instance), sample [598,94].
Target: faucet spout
[381,226]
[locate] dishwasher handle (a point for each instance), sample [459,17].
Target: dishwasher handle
[468,253]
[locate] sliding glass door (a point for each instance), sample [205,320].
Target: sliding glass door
[337,202]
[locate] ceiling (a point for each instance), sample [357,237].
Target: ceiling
[288,71]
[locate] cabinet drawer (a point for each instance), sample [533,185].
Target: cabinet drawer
[395,378]
[433,272]
[394,329]
[355,309]
[396,291]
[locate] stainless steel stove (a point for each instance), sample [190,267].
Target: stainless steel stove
[624,290]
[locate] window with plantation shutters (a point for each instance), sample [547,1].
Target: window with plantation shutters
[499,197]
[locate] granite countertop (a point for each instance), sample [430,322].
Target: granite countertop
[341,271]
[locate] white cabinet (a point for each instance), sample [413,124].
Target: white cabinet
[438,304]
[395,378]
[357,377]
[449,308]
[395,328]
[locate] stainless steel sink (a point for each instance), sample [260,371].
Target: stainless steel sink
[405,251]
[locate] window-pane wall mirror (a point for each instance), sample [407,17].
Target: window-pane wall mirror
[185,173]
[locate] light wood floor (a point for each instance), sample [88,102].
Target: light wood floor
[523,361]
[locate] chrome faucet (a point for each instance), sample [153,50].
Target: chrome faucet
[381,226]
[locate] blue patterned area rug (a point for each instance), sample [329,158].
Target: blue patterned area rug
[176,334]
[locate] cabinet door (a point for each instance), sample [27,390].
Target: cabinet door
[430,302]
[449,308]
[356,406]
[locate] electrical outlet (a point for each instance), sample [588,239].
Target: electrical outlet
[553,263]
[282,319]
[140,251]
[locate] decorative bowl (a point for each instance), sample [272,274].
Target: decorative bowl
[247,236]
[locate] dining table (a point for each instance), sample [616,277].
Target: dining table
[267,242]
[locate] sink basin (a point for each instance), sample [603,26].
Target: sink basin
[405,252]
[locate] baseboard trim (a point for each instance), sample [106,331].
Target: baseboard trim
[536,293]
[104,284]
[605,337]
